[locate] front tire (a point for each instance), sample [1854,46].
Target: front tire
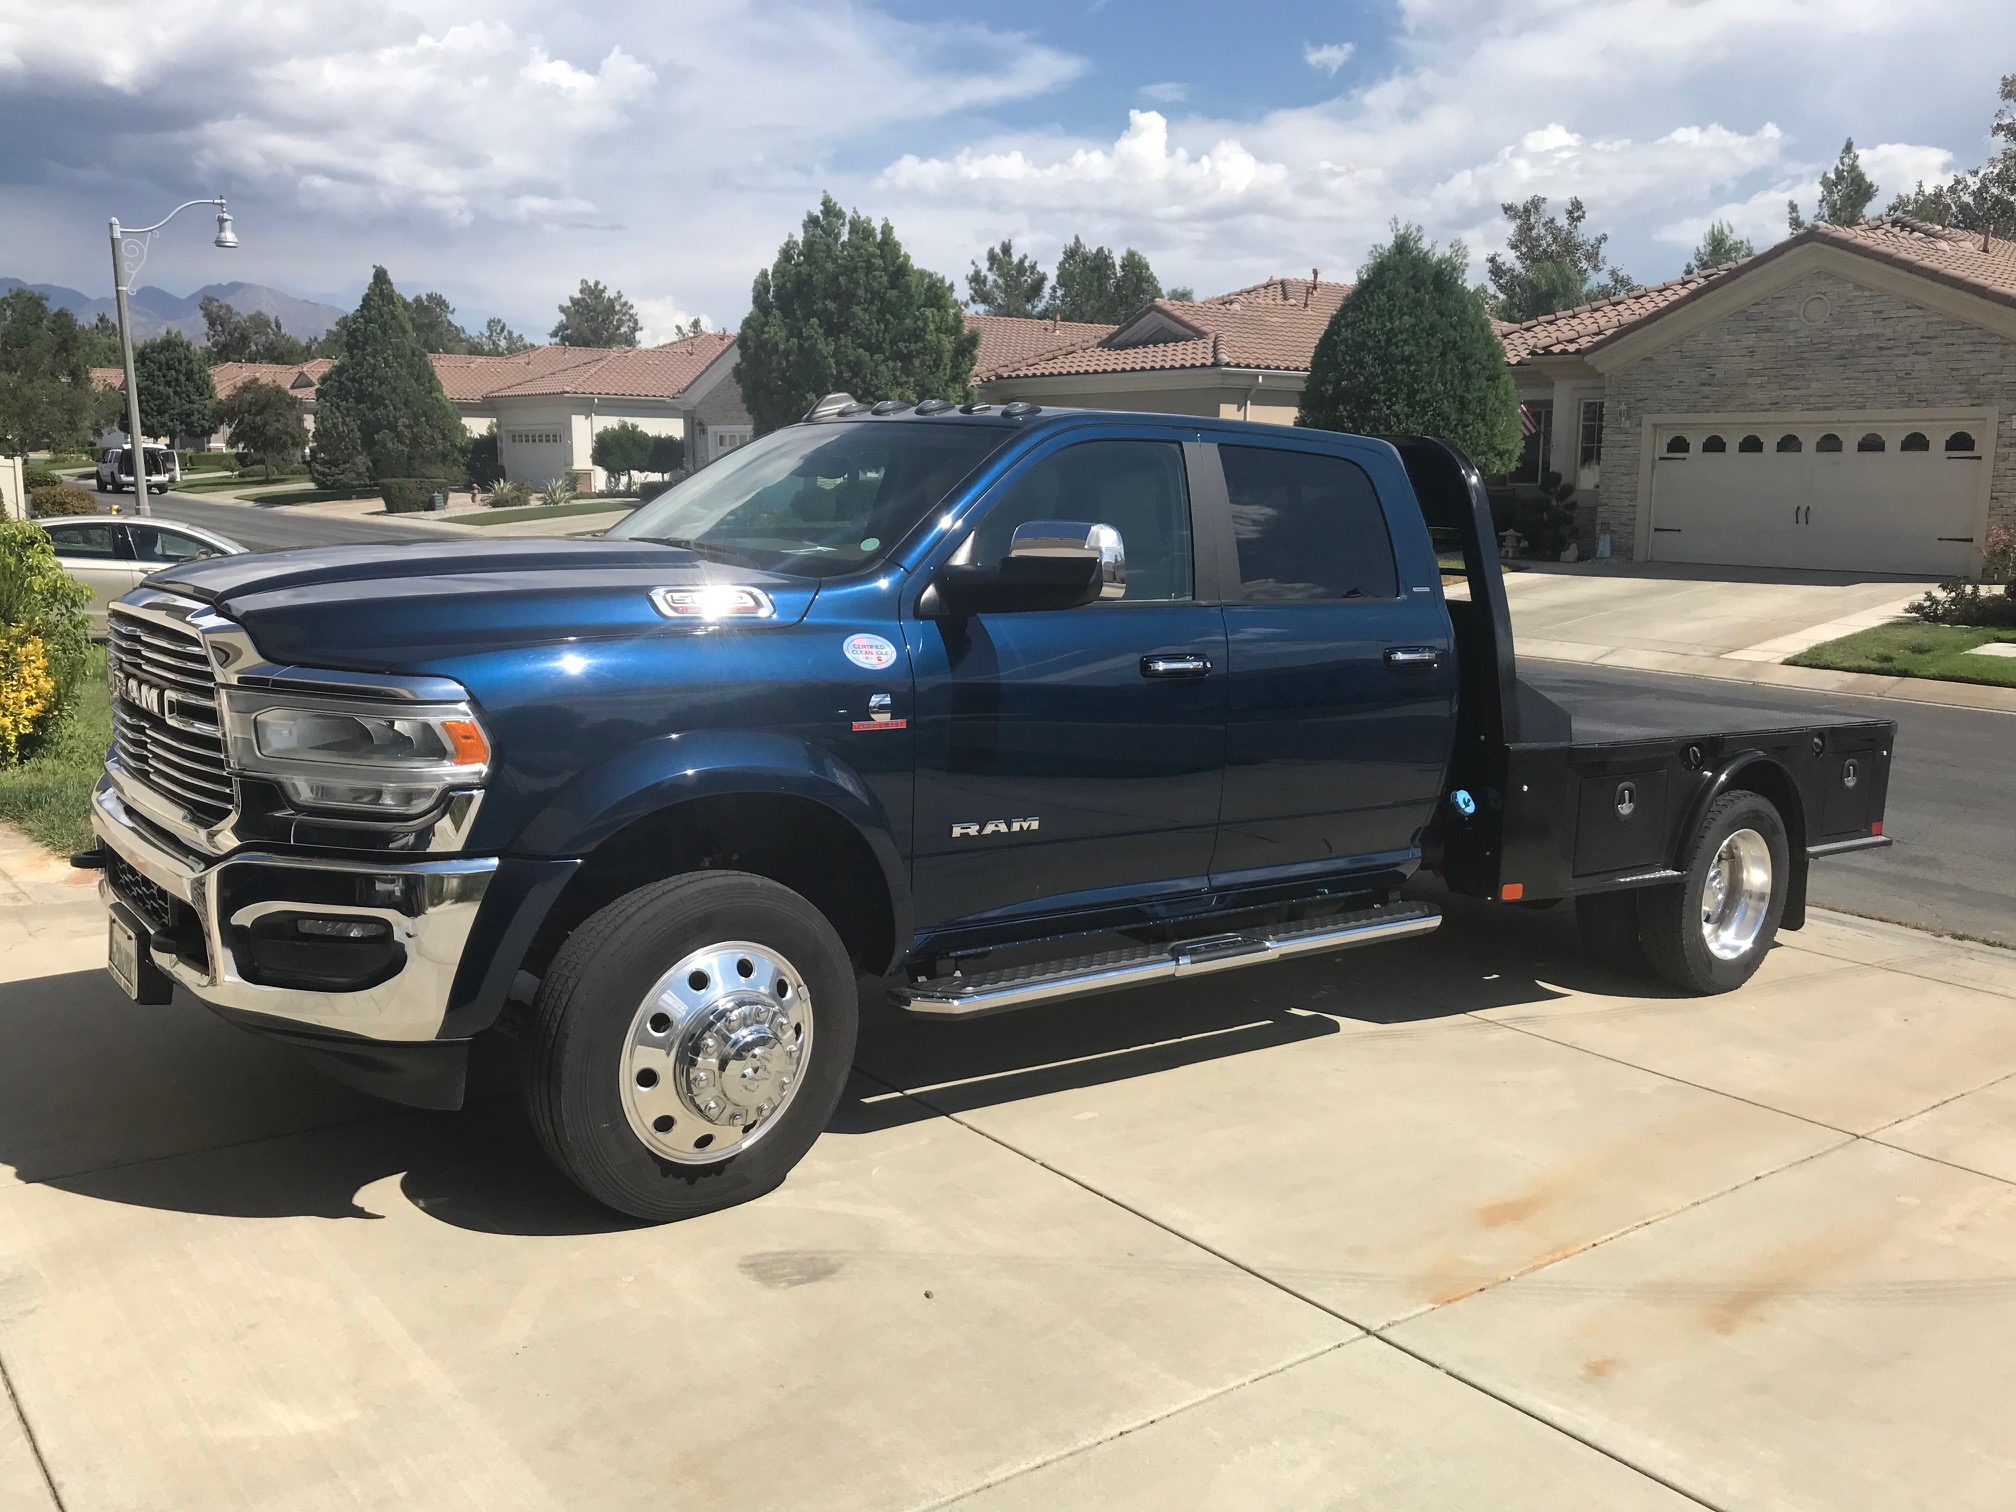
[689,1044]
[1709,933]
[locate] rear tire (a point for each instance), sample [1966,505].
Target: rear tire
[713,1011]
[1709,933]
[1608,922]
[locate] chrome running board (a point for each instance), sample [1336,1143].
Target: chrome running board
[1047,981]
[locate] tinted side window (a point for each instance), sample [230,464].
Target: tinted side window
[1307,526]
[83,541]
[1137,487]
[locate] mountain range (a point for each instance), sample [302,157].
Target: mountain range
[156,310]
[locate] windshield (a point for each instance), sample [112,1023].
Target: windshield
[818,500]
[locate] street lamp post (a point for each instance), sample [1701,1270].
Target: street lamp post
[129,251]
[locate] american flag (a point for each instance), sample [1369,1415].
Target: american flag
[1527,424]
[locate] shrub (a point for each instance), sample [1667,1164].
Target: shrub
[668,454]
[59,499]
[560,490]
[409,495]
[510,496]
[44,637]
[208,461]
[40,475]
[646,492]
[1542,518]
[1998,558]
[70,459]
[256,472]
[485,459]
[1959,602]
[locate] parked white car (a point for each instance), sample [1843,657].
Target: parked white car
[115,469]
[110,554]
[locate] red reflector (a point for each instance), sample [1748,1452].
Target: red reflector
[1876,828]
[1512,892]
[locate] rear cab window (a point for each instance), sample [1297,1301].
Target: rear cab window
[1307,526]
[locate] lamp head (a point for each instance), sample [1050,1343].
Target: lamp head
[226,237]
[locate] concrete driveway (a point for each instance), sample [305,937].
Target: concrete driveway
[1600,611]
[1462,1223]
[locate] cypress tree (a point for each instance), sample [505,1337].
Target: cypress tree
[177,397]
[1411,350]
[380,411]
[844,309]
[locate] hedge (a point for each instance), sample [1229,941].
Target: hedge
[209,461]
[410,495]
[57,499]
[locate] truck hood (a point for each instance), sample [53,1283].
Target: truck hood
[383,608]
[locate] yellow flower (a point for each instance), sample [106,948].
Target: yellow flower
[27,692]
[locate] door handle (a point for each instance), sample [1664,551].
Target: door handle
[1412,658]
[1175,665]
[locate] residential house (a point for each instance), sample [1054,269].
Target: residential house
[1842,401]
[1243,355]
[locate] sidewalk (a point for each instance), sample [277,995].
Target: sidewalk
[458,519]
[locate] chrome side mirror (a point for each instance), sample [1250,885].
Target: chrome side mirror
[1075,540]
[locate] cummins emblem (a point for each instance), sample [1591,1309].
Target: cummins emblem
[1849,776]
[1627,800]
[995,827]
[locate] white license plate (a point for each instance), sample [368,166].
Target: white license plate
[122,957]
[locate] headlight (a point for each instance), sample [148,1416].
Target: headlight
[358,757]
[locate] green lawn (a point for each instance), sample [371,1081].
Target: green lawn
[548,512]
[1937,651]
[48,796]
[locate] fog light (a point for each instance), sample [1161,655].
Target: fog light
[344,929]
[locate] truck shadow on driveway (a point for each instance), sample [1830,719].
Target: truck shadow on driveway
[171,1108]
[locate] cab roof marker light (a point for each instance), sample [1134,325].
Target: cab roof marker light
[717,601]
[1020,408]
[890,407]
[935,406]
[832,404]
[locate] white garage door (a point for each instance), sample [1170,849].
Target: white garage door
[1857,496]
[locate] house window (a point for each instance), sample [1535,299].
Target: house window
[1870,442]
[1590,451]
[1789,442]
[1536,456]
[1714,444]
[1916,441]
[1750,444]
[1959,441]
[1829,442]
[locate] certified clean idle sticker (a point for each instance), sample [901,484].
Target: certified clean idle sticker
[870,651]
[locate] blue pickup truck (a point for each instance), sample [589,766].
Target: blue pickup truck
[978,705]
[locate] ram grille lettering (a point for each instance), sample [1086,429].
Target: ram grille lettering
[979,827]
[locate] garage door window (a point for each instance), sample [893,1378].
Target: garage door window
[1714,444]
[1916,441]
[1789,443]
[1870,442]
[1750,444]
[1828,443]
[1677,447]
[1959,441]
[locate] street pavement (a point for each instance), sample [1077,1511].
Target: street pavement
[1952,807]
[1459,1223]
[278,527]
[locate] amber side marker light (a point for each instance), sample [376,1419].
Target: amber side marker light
[471,749]
[1511,892]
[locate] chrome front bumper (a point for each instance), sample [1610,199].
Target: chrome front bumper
[431,921]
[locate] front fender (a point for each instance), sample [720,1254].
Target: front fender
[671,769]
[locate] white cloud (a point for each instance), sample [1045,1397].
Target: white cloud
[1164,94]
[1330,57]
[660,316]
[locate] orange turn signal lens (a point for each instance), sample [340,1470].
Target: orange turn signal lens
[465,737]
[1512,892]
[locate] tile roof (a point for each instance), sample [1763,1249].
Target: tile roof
[659,372]
[298,378]
[467,378]
[1961,259]
[1272,325]
[109,378]
[1011,340]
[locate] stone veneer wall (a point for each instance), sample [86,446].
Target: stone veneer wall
[1873,352]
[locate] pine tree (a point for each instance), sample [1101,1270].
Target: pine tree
[1549,264]
[1720,247]
[1092,284]
[45,386]
[177,397]
[843,309]
[380,412]
[597,317]
[1411,351]
[1011,284]
[1845,193]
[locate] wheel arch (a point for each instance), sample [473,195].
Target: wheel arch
[1768,777]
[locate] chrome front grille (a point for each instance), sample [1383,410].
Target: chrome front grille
[167,727]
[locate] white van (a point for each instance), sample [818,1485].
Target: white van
[115,469]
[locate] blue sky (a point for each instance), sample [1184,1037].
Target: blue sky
[500,151]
